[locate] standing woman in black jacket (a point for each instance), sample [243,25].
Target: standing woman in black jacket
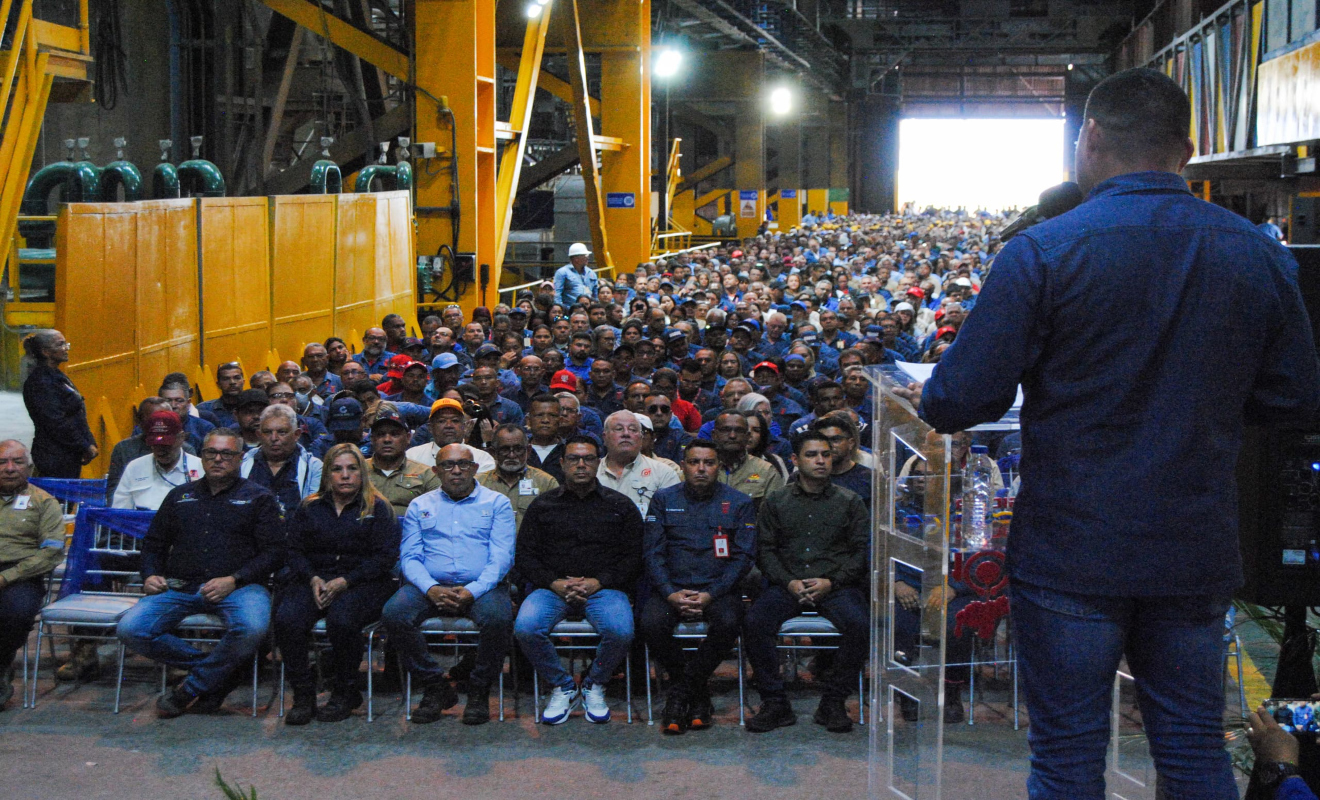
[63,443]
[342,544]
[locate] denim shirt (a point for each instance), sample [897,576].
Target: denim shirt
[1145,327]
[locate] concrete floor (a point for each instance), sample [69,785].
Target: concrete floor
[72,746]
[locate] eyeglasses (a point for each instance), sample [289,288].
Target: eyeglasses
[450,466]
[657,409]
[221,455]
[580,459]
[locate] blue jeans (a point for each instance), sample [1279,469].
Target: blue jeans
[608,611]
[492,613]
[1068,649]
[148,630]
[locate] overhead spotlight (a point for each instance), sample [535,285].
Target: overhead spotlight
[1070,67]
[781,101]
[533,10]
[667,62]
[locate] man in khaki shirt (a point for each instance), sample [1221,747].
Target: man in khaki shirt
[748,474]
[512,477]
[31,545]
[394,475]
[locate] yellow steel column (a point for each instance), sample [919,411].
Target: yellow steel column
[623,29]
[454,61]
[586,136]
[520,117]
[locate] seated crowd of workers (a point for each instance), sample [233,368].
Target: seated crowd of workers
[685,444]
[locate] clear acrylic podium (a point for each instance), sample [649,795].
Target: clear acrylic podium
[940,619]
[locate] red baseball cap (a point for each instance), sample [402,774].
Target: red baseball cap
[766,365]
[917,292]
[397,364]
[564,380]
[161,428]
[946,329]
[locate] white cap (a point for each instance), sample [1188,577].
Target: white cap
[644,421]
[578,249]
[904,306]
[963,282]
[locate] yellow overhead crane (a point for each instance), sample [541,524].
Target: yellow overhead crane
[464,195]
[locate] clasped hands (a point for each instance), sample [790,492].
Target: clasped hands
[689,602]
[810,591]
[450,599]
[575,591]
[324,592]
[213,591]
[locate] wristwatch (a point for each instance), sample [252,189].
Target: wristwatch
[1273,773]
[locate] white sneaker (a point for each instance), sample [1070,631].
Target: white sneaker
[560,705]
[593,697]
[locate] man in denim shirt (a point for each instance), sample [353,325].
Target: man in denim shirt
[1124,536]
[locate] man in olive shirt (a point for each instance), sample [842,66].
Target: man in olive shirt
[394,475]
[812,538]
[512,477]
[754,477]
[31,545]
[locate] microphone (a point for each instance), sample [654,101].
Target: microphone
[1053,201]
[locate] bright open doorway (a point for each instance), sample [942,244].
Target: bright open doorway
[978,163]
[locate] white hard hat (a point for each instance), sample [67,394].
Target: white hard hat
[578,249]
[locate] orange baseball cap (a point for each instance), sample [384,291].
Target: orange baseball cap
[446,402]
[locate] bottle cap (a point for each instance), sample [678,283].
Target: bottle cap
[980,448]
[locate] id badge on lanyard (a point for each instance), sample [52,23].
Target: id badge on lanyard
[721,543]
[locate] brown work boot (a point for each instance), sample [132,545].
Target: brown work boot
[83,665]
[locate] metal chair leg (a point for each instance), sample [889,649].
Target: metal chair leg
[36,668]
[742,699]
[280,712]
[25,674]
[119,676]
[256,666]
[371,669]
[627,674]
[536,696]
[407,697]
[650,718]
[501,691]
[861,696]
[1242,685]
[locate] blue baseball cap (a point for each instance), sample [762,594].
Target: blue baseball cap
[444,361]
[345,415]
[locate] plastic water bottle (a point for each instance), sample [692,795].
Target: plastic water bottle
[977,499]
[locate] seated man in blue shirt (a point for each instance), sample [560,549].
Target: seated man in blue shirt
[374,358]
[458,544]
[699,541]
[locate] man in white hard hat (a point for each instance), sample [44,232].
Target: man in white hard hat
[574,280]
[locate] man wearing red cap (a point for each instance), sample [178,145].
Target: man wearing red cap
[147,479]
[580,418]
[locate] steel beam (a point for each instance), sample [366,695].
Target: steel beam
[577,73]
[520,117]
[544,80]
[702,173]
[554,164]
[344,34]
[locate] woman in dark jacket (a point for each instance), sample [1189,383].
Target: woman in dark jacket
[62,442]
[343,543]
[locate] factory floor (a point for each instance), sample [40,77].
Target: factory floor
[72,745]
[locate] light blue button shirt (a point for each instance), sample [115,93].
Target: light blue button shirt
[571,284]
[468,543]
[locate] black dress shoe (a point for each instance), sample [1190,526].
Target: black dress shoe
[832,714]
[674,720]
[174,703]
[953,705]
[304,707]
[339,707]
[774,713]
[477,710]
[909,708]
[212,701]
[439,696]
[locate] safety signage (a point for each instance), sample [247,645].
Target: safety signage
[788,194]
[747,203]
[620,200]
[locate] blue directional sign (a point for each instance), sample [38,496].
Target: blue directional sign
[620,200]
